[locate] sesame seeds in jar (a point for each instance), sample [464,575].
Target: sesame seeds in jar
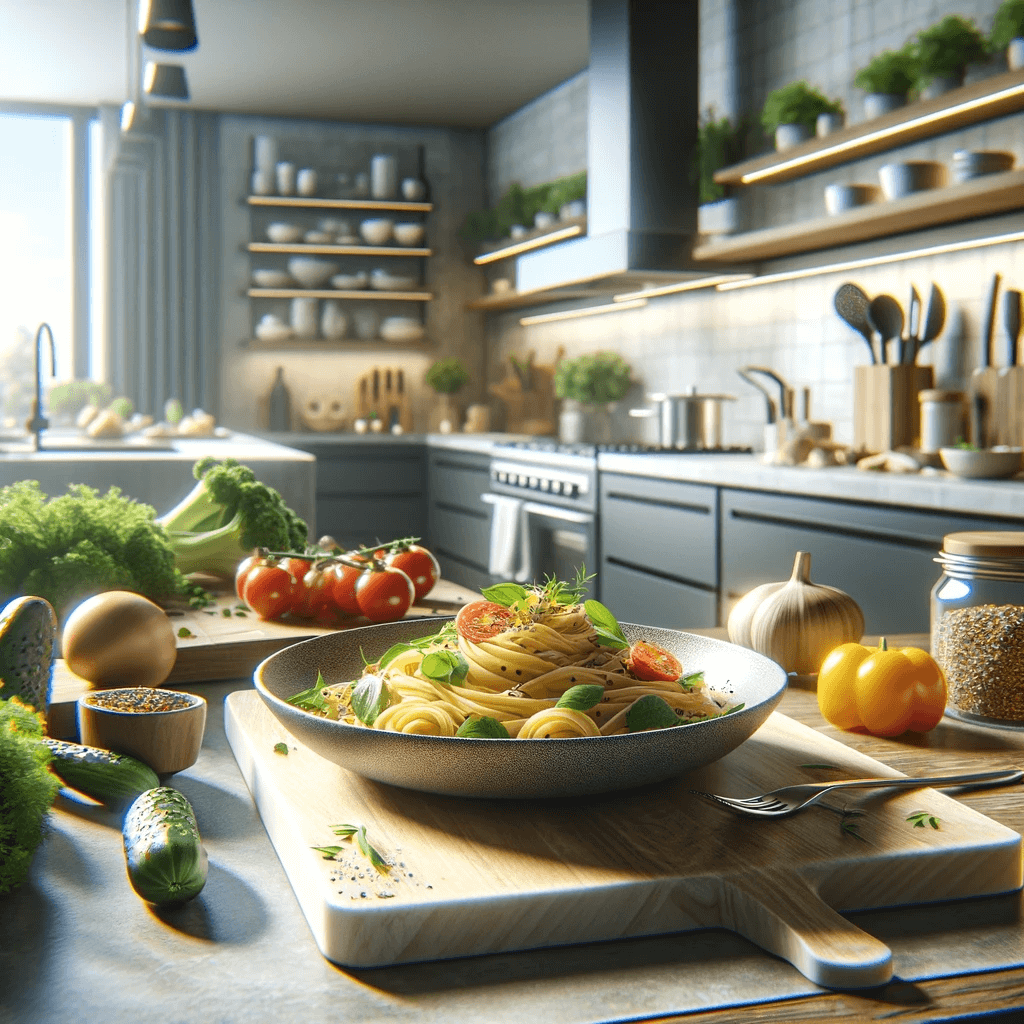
[977,625]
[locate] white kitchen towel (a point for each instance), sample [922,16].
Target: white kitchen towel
[504,548]
[525,573]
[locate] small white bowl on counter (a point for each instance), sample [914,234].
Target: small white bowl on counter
[982,464]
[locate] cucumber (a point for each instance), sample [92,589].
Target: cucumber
[166,859]
[105,776]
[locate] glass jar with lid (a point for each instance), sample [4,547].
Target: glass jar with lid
[977,625]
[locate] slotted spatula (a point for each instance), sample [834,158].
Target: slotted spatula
[852,306]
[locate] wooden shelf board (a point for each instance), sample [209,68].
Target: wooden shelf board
[330,293]
[920,120]
[337,250]
[982,197]
[328,345]
[537,238]
[517,300]
[312,203]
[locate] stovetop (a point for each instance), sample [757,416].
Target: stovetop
[545,445]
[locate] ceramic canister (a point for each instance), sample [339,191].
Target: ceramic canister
[304,316]
[384,177]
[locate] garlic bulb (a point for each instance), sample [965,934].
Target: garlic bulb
[796,622]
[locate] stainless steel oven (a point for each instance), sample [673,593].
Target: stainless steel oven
[543,518]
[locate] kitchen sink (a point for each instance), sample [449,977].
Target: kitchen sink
[72,443]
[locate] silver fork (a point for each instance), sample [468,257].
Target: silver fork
[780,803]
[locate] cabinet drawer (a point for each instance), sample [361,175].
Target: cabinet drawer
[357,521]
[660,523]
[464,536]
[459,480]
[635,596]
[371,475]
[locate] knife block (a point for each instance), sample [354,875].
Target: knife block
[886,411]
[1006,423]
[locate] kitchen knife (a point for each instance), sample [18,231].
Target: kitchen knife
[932,320]
[1009,412]
[1011,324]
[909,353]
[984,380]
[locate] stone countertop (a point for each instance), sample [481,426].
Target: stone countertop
[482,443]
[929,489]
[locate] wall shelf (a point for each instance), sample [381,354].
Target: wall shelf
[495,303]
[334,293]
[982,197]
[538,238]
[329,345]
[309,249]
[313,203]
[970,104]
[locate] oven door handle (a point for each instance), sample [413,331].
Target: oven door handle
[554,512]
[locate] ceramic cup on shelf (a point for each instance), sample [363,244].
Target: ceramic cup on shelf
[333,320]
[264,153]
[304,316]
[263,183]
[383,177]
[789,135]
[285,173]
[305,182]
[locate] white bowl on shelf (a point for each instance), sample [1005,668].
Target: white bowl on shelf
[272,328]
[376,230]
[264,278]
[285,234]
[409,234]
[350,282]
[316,237]
[311,272]
[401,328]
[383,281]
[901,179]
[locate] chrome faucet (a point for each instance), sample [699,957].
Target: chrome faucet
[38,422]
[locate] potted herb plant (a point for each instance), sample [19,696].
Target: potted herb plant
[1008,33]
[886,80]
[943,52]
[447,377]
[589,387]
[720,142]
[791,113]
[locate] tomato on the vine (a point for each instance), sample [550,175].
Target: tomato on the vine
[245,567]
[269,591]
[343,585]
[652,663]
[297,568]
[480,620]
[384,594]
[419,565]
[318,595]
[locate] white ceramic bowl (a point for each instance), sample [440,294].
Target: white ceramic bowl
[515,768]
[401,328]
[270,328]
[285,233]
[409,234]
[901,179]
[376,231]
[350,282]
[384,281]
[263,278]
[311,272]
[968,164]
[839,198]
[317,237]
[984,464]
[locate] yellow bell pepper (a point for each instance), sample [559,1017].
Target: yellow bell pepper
[881,691]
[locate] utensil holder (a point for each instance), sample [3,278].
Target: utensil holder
[886,411]
[1006,424]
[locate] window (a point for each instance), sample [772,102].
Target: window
[48,189]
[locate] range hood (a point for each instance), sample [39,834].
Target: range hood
[641,131]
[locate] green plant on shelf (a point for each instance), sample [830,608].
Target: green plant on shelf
[944,49]
[720,143]
[796,103]
[520,205]
[891,72]
[1008,25]
[593,379]
[447,376]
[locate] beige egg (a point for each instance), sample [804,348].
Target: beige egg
[119,638]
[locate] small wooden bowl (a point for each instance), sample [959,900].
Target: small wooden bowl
[162,728]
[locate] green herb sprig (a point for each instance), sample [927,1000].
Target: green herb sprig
[358,832]
[921,818]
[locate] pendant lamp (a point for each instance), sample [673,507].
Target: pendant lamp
[165,80]
[168,25]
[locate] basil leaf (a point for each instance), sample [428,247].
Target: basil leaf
[505,594]
[733,710]
[280,748]
[445,667]
[329,852]
[650,712]
[393,652]
[369,698]
[609,633]
[692,680]
[311,699]
[370,853]
[484,727]
[582,697]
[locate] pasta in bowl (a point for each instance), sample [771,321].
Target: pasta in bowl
[519,703]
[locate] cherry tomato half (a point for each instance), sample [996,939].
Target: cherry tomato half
[480,620]
[650,662]
[384,595]
[269,591]
[419,565]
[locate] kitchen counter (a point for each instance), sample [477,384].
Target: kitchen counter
[79,945]
[482,443]
[930,489]
[162,477]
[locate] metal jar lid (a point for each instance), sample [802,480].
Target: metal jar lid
[985,543]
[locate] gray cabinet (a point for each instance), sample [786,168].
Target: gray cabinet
[458,520]
[881,556]
[659,551]
[368,493]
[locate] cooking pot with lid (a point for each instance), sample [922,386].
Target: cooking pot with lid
[688,420]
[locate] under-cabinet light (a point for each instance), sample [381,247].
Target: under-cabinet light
[530,243]
[683,286]
[573,314]
[893,132]
[872,261]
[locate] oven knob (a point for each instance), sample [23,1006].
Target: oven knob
[556,486]
[521,480]
[545,484]
[502,478]
[572,490]
[534,482]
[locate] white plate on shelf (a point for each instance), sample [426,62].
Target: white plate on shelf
[401,328]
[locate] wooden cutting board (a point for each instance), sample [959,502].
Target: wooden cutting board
[472,877]
[225,642]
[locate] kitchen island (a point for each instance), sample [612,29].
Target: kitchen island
[79,945]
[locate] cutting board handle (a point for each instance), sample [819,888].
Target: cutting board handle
[787,918]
